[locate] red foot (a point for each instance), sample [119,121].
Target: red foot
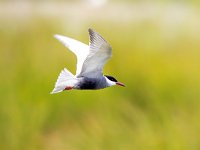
[68,88]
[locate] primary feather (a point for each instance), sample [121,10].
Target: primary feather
[99,53]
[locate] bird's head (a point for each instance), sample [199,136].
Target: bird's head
[112,81]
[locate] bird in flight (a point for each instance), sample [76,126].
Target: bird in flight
[90,62]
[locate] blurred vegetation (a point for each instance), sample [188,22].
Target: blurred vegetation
[155,54]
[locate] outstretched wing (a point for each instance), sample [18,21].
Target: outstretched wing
[80,49]
[99,53]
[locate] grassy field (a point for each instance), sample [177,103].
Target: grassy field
[156,53]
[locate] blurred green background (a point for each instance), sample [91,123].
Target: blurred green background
[156,53]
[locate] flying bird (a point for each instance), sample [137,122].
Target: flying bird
[90,62]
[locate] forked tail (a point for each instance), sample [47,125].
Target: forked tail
[65,80]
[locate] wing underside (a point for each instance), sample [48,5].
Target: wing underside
[80,49]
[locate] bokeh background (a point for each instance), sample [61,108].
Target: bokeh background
[156,53]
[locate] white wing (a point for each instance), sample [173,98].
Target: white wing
[80,49]
[99,53]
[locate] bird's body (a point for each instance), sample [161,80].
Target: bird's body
[90,63]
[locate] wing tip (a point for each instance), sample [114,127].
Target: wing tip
[56,36]
[96,37]
[91,32]
[90,29]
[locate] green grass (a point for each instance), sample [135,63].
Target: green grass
[159,108]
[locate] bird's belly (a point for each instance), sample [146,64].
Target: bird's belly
[90,84]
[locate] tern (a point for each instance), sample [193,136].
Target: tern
[90,62]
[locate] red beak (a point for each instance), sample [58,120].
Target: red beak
[120,84]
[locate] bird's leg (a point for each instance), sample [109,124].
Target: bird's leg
[68,88]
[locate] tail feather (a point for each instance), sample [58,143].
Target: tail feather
[65,79]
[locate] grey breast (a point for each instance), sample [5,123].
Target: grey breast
[92,83]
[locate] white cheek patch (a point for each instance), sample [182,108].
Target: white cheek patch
[109,82]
